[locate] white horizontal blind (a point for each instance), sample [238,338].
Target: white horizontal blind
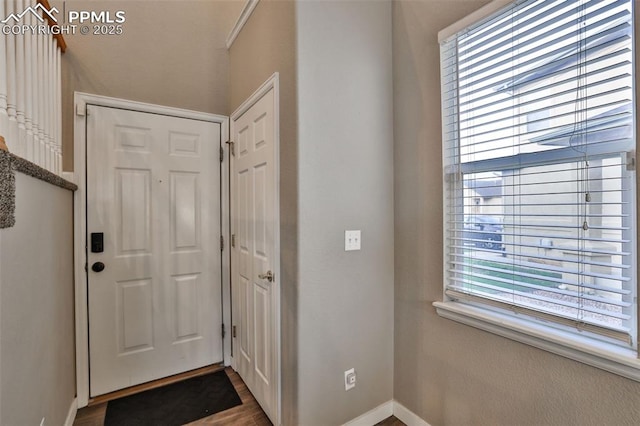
[538,130]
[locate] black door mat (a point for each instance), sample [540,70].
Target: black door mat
[175,404]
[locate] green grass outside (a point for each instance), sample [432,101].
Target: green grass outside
[510,273]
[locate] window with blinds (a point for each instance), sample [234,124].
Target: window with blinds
[539,139]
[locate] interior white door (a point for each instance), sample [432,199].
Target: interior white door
[153,190]
[254,257]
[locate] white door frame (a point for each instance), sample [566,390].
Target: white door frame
[272,83]
[81,100]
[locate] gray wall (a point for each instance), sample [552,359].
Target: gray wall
[334,60]
[345,122]
[266,45]
[445,372]
[170,53]
[37,355]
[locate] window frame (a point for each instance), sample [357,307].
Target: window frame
[551,337]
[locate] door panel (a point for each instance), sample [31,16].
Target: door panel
[153,189]
[253,222]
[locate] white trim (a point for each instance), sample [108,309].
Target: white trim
[82,99]
[71,414]
[407,416]
[608,357]
[386,410]
[79,235]
[372,417]
[272,83]
[79,153]
[242,20]
[477,16]
[68,176]
[226,253]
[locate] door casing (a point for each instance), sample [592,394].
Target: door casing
[81,100]
[271,83]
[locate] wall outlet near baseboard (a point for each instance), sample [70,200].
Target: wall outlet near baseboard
[349,379]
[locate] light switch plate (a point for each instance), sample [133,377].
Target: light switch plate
[352,240]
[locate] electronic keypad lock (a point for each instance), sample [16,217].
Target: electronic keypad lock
[97,242]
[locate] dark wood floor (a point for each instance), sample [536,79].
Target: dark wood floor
[391,421]
[247,414]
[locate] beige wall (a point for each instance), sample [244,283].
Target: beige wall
[37,338]
[266,45]
[171,52]
[445,372]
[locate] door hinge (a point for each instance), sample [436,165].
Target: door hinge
[86,267]
[232,146]
[223,331]
[221,243]
[221,154]
[233,240]
[233,331]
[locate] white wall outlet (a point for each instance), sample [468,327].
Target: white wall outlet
[349,379]
[352,240]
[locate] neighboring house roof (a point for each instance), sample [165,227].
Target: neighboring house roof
[614,124]
[485,188]
[569,56]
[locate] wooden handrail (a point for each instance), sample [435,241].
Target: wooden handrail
[61,43]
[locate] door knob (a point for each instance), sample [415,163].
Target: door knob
[97,267]
[269,276]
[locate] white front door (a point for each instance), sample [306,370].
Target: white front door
[153,192]
[254,257]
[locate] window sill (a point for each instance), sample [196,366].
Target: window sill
[601,355]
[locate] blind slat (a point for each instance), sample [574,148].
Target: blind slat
[481,86]
[550,291]
[532,65]
[534,259]
[608,94]
[540,269]
[474,36]
[555,45]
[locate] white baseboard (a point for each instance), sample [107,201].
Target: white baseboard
[374,416]
[407,416]
[71,415]
[386,410]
